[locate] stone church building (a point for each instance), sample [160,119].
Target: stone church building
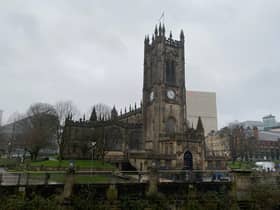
[157,132]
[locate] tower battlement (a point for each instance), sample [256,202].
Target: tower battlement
[159,37]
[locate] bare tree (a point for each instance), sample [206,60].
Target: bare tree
[63,109]
[3,142]
[14,117]
[10,140]
[39,128]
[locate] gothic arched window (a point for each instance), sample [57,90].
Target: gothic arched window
[170,75]
[171,125]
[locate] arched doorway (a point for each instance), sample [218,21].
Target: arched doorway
[188,161]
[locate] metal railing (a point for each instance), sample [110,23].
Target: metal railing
[81,177]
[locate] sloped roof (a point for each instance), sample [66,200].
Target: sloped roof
[269,136]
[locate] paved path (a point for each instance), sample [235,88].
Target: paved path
[13,179]
[8,178]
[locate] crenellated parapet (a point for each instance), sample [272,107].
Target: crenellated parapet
[158,37]
[131,115]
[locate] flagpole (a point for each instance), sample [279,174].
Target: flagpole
[161,18]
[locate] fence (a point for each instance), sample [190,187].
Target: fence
[86,177]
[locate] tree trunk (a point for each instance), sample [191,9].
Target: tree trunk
[36,155]
[60,155]
[31,156]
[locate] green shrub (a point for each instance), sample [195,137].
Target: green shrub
[112,193]
[34,203]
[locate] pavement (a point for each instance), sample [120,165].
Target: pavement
[8,178]
[11,179]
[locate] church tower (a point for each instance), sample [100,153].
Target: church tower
[164,93]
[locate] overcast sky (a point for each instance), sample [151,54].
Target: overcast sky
[91,51]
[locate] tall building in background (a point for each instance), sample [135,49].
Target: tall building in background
[202,104]
[269,121]
[248,123]
[1,116]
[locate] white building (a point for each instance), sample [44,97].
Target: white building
[247,123]
[202,104]
[1,116]
[269,122]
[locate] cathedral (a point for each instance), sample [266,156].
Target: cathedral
[157,132]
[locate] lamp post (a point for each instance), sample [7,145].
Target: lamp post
[9,149]
[93,143]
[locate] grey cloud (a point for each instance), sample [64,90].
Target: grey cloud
[92,51]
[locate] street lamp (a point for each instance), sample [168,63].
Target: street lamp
[9,149]
[93,143]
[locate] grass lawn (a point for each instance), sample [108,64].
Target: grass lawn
[241,165]
[96,164]
[4,162]
[277,161]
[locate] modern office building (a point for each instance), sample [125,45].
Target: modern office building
[1,117]
[247,123]
[203,104]
[269,121]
